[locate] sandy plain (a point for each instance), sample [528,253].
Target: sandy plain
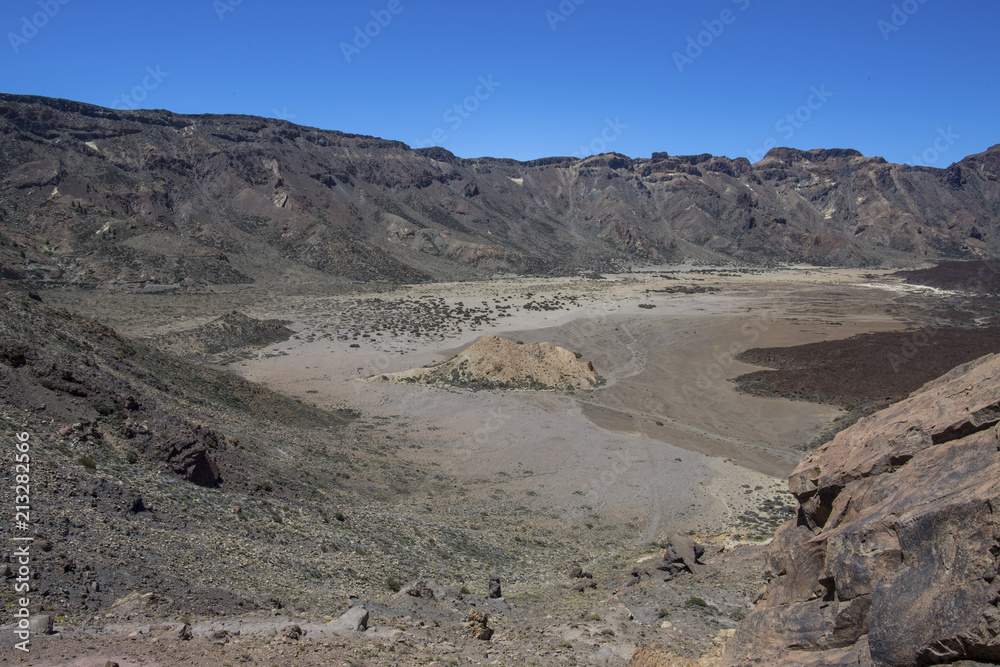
[667,444]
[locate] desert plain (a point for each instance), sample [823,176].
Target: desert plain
[597,478]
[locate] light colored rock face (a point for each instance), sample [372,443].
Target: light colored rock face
[894,557]
[496,363]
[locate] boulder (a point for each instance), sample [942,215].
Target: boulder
[180,631]
[355,618]
[187,454]
[477,625]
[894,556]
[40,625]
[495,592]
[420,589]
[681,555]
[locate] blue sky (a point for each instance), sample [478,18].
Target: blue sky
[915,81]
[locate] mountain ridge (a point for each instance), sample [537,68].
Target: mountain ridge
[96,195]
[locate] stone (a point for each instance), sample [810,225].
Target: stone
[584,584]
[293,632]
[420,589]
[179,631]
[893,558]
[682,554]
[495,592]
[477,625]
[355,618]
[40,624]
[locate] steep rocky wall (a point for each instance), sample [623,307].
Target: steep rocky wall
[893,559]
[99,195]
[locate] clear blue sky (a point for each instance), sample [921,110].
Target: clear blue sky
[565,78]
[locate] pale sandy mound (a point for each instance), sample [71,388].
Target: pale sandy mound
[494,363]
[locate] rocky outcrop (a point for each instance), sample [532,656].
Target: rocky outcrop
[188,456]
[478,625]
[232,331]
[495,363]
[681,555]
[894,556]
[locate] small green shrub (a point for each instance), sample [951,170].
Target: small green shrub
[87,462]
[695,601]
[592,617]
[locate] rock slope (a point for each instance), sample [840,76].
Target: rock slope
[495,363]
[90,194]
[233,331]
[894,557]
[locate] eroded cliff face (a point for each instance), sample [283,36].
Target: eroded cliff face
[893,559]
[101,195]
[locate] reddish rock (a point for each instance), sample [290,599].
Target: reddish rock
[894,557]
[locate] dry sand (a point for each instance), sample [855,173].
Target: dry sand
[667,444]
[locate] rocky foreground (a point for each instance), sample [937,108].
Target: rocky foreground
[894,556]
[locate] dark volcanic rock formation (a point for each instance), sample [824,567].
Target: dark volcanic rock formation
[894,557]
[101,195]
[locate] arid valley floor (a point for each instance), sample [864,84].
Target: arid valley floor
[455,484]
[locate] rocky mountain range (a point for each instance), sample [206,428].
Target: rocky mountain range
[96,195]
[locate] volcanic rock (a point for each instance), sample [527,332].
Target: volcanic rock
[477,625]
[682,553]
[495,592]
[894,556]
[355,618]
[116,208]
